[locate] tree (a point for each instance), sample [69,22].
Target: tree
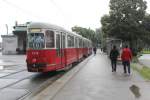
[146,29]
[105,21]
[87,33]
[100,38]
[79,30]
[124,20]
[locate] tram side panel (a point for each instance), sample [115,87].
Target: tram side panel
[90,51]
[85,52]
[80,53]
[71,55]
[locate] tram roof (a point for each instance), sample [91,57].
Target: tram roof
[51,26]
[44,26]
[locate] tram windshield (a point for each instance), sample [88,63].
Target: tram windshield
[36,40]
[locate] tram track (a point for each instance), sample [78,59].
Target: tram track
[13,82]
[49,78]
[44,85]
[13,73]
[32,83]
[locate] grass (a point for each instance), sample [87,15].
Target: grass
[144,71]
[133,65]
[135,59]
[146,52]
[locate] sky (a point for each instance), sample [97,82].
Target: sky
[64,13]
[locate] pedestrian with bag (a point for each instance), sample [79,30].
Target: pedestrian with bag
[126,57]
[114,53]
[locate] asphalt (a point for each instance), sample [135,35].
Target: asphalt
[16,83]
[92,79]
[12,60]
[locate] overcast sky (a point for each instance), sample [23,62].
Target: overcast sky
[65,13]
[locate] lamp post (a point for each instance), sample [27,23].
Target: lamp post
[7,28]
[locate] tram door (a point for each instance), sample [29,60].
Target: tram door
[60,49]
[63,46]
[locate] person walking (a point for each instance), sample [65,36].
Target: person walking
[114,53]
[126,57]
[94,50]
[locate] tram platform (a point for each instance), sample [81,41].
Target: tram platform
[92,79]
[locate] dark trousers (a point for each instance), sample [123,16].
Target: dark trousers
[95,52]
[114,64]
[126,64]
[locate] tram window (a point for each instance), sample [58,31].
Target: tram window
[49,39]
[72,43]
[64,39]
[86,44]
[76,42]
[36,40]
[70,40]
[57,41]
[80,43]
[83,44]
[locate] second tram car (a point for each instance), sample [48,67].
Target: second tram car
[52,48]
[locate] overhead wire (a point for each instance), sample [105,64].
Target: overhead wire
[20,9]
[27,12]
[59,9]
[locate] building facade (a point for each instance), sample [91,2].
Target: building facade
[18,39]
[9,44]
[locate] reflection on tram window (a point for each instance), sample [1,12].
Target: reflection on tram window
[49,37]
[36,40]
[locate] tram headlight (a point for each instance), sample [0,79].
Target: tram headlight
[34,60]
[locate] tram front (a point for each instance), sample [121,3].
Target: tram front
[35,50]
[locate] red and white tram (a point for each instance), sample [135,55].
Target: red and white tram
[52,48]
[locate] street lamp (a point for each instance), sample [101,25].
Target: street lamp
[7,28]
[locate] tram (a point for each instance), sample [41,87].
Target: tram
[50,47]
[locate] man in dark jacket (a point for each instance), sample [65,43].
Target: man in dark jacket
[114,53]
[94,49]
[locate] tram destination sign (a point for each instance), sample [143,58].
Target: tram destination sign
[34,30]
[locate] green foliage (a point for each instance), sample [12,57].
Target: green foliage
[125,19]
[146,29]
[135,59]
[82,31]
[87,33]
[105,21]
[144,71]
[146,22]
[134,67]
[145,52]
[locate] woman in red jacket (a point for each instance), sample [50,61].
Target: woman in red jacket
[126,57]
